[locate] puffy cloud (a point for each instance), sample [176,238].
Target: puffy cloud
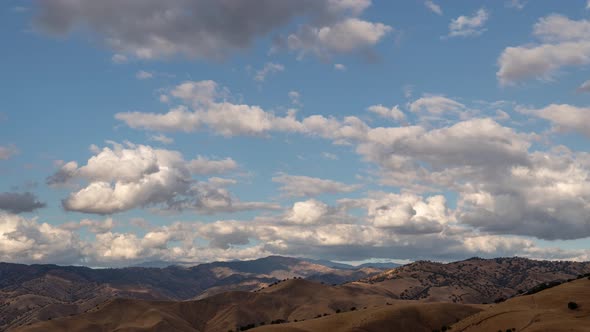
[393,113]
[565,42]
[27,241]
[473,159]
[435,104]
[518,63]
[408,213]
[224,234]
[202,29]
[465,26]
[122,178]
[548,199]
[308,212]
[19,202]
[269,68]
[433,7]
[7,151]
[361,241]
[299,185]
[566,117]
[343,131]
[345,36]
[309,228]
[473,144]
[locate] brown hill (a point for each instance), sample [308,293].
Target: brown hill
[30,293]
[474,280]
[400,316]
[544,311]
[300,305]
[291,300]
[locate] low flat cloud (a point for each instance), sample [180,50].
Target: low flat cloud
[19,202]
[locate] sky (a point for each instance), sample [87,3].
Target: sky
[350,130]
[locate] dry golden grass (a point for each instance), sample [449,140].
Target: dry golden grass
[376,309]
[543,311]
[400,316]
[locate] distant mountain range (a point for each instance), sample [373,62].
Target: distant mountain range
[240,292]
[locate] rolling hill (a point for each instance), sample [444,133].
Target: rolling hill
[30,293]
[473,280]
[246,294]
[547,310]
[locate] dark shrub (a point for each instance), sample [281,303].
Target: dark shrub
[572,305]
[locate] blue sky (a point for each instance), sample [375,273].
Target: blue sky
[339,129]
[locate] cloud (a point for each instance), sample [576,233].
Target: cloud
[409,214]
[95,226]
[547,199]
[295,98]
[144,75]
[339,67]
[436,104]
[467,26]
[63,175]
[566,117]
[393,113]
[349,35]
[299,185]
[401,226]
[27,241]
[19,202]
[329,156]
[517,4]
[433,7]
[472,157]
[6,152]
[308,212]
[119,59]
[269,68]
[221,116]
[202,165]
[558,28]
[358,241]
[162,139]
[584,88]
[564,42]
[127,177]
[201,29]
